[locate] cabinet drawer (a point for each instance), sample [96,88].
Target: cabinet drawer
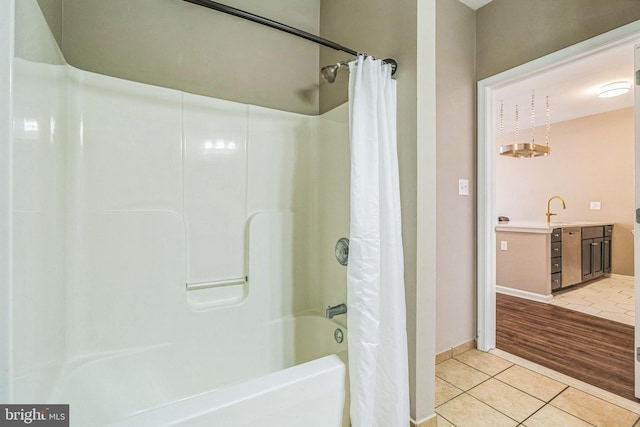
[556,249]
[608,230]
[592,232]
[556,235]
[556,265]
[556,281]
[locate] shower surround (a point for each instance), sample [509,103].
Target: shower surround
[124,194]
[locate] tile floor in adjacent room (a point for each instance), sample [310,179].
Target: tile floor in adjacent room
[496,389]
[610,297]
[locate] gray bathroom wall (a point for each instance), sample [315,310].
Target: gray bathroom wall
[455,159]
[179,45]
[52,11]
[512,32]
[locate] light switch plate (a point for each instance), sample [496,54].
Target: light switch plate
[594,205]
[503,245]
[463,187]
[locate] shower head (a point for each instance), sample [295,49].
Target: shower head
[330,72]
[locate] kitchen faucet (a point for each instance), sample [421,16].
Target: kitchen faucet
[549,213]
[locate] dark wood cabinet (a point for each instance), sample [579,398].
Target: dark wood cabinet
[556,259]
[606,249]
[592,258]
[596,251]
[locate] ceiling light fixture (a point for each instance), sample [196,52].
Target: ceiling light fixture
[614,89]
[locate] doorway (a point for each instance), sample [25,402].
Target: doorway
[487,136]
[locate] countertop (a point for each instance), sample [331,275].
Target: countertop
[543,227]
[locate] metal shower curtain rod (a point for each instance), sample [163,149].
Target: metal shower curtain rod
[280,26]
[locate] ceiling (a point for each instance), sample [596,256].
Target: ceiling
[571,88]
[475,4]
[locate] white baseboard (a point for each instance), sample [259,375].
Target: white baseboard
[524,294]
[430,421]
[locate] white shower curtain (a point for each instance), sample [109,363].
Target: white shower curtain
[378,365]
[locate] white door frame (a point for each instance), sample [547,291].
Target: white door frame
[636,227]
[7,27]
[487,219]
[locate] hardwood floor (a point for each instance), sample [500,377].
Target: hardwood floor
[594,350]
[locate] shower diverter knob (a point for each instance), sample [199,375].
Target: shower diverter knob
[342,251]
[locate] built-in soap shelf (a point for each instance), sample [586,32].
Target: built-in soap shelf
[216,284]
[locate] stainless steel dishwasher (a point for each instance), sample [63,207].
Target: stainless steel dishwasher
[571,256]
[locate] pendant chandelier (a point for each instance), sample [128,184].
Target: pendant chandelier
[526,149]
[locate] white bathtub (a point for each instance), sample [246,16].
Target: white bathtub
[310,394]
[194,385]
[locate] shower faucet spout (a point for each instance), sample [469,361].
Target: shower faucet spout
[335,310]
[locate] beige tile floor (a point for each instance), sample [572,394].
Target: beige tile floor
[496,389]
[610,297]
